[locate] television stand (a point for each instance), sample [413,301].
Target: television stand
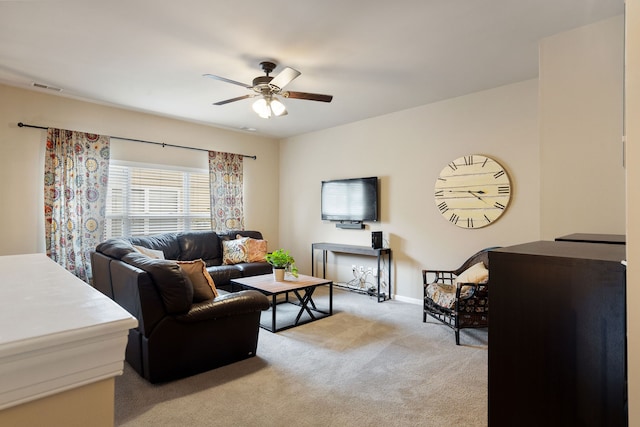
[356,250]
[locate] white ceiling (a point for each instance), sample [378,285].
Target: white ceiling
[373,57]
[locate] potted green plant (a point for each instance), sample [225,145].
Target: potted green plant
[282,261]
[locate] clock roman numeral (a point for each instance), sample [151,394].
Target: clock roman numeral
[503,189]
[454,218]
[439,193]
[499,205]
[487,218]
[469,222]
[485,161]
[498,174]
[453,166]
[443,207]
[468,160]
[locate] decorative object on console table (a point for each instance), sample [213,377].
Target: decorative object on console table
[356,250]
[282,262]
[376,239]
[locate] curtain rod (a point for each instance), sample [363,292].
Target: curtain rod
[163,144]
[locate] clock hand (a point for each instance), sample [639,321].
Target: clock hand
[478,197]
[475,195]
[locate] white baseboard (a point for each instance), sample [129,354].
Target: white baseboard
[415,301]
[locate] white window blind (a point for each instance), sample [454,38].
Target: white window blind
[143,200]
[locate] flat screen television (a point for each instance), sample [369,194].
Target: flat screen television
[350,200]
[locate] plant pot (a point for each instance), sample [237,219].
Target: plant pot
[278,274]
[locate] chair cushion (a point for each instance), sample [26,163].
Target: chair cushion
[445,295]
[442,294]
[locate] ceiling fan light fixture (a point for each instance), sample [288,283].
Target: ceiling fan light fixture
[261,107]
[277,107]
[266,107]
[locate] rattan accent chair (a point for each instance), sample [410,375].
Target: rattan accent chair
[459,298]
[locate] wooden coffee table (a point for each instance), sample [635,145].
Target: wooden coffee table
[302,287]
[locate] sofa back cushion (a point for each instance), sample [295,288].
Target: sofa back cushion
[115,248]
[203,245]
[167,243]
[175,290]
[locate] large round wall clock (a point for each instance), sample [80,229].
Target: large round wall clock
[472,191]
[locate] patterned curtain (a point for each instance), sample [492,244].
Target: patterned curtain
[76,171]
[225,178]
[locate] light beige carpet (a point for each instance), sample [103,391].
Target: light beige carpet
[370,364]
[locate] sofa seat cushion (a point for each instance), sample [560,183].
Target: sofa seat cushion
[222,274]
[225,305]
[254,268]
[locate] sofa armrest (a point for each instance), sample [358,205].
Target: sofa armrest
[232,304]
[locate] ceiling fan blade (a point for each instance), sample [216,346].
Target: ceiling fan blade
[239,98]
[285,77]
[223,79]
[309,96]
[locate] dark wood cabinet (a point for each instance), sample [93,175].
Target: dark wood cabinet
[557,335]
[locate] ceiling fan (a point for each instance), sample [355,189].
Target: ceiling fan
[268,88]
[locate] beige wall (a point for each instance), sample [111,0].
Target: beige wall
[407,150]
[22,158]
[632,125]
[560,142]
[582,173]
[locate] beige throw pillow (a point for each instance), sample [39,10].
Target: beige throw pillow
[477,273]
[203,286]
[256,249]
[151,253]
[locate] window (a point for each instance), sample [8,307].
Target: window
[143,200]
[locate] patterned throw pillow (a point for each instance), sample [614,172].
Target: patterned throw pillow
[203,286]
[256,249]
[234,251]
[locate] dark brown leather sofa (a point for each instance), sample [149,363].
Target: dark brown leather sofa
[177,337]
